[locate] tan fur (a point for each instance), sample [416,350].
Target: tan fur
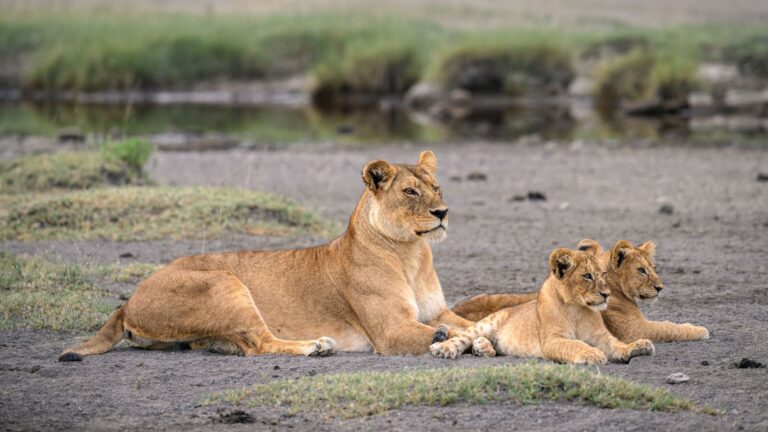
[480,306]
[563,324]
[629,285]
[373,288]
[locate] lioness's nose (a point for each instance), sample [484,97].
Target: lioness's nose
[605,296]
[439,213]
[659,288]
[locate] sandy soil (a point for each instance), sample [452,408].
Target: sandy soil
[712,254]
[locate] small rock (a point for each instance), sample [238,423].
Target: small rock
[124,297]
[746,363]
[477,176]
[762,177]
[71,134]
[277,367]
[676,224]
[667,209]
[454,178]
[423,95]
[705,363]
[564,206]
[344,129]
[235,417]
[127,255]
[517,198]
[536,196]
[677,378]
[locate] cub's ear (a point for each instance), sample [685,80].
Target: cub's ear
[561,261]
[428,161]
[619,252]
[590,246]
[378,175]
[649,248]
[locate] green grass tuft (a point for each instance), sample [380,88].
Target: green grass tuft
[133,152]
[75,170]
[38,294]
[143,213]
[357,394]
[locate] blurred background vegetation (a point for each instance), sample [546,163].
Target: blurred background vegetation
[449,60]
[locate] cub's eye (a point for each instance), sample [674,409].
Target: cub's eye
[588,277]
[642,270]
[410,192]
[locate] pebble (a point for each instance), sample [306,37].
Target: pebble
[762,177]
[477,176]
[667,209]
[677,378]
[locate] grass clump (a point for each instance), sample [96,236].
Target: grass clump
[357,394]
[644,76]
[749,54]
[144,213]
[510,65]
[42,294]
[384,68]
[119,163]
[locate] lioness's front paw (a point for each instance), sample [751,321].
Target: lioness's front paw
[322,347]
[696,332]
[591,356]
[482,347]
[638,348]
[445,350]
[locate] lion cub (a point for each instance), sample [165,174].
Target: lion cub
[563,324]
[631,277]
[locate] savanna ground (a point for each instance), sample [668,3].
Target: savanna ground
[72,248]
[712,254]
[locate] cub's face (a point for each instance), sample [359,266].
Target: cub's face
[406,201]
[583,281]
[634,269]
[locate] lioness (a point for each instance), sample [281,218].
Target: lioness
[631,277]
[372,288]
[563,324]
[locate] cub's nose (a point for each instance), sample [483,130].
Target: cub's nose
[605,296]
[658,288]
[439,213]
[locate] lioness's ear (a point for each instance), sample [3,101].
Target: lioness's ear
[619,252]
[428,161]
[378,175]
[590,246]
[560,262]
[648,247]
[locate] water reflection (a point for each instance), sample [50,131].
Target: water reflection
[277,126]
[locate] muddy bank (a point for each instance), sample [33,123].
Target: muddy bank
[712,254]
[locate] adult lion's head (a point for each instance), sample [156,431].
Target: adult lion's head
[405,200]
[582,278]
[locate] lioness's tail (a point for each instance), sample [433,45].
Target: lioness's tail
[480,306]
[107,337]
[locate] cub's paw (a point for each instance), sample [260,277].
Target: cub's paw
[591,356]
[638,348]
[482,347]
[695,332]
[441,334]
[322,347]
[446,350]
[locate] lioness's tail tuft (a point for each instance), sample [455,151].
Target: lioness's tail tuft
[70,357]
[107,337]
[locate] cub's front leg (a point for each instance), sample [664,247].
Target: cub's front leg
[565,350]
[665,331]
[616,349]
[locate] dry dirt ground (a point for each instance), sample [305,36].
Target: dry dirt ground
[712,254]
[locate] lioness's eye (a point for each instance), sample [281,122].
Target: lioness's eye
[410,192]
[642,270]
[588,277]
